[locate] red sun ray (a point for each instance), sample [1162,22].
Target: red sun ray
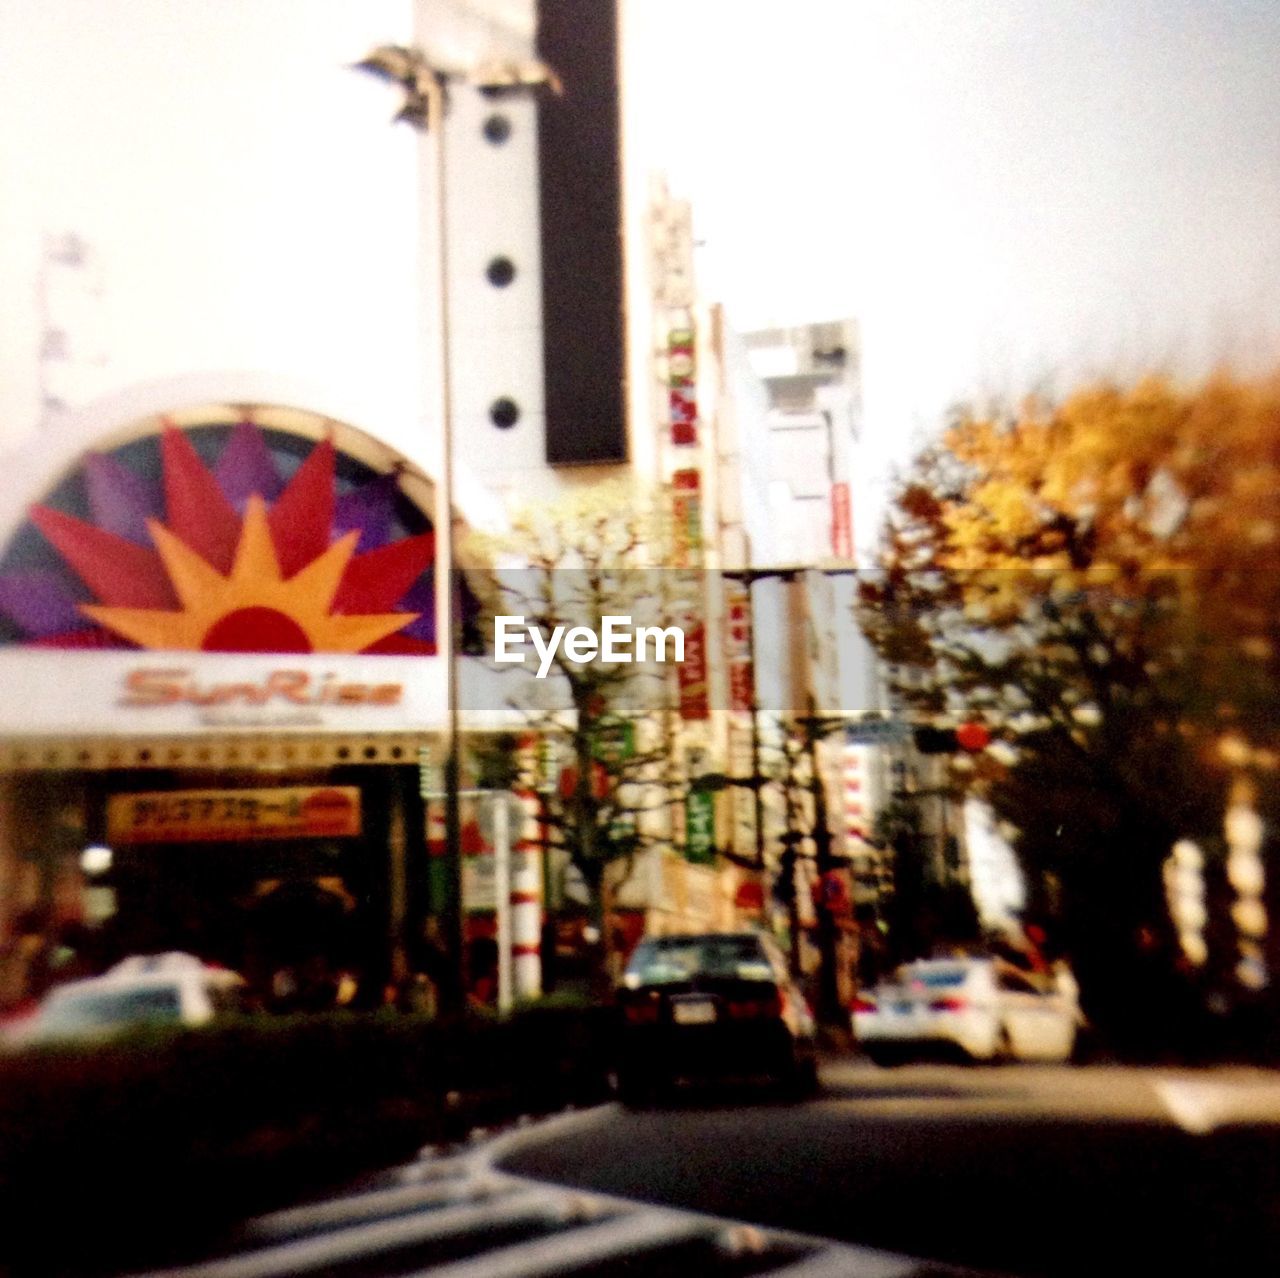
[377,580]
[400,645]
[195,508]
[120,573]
[301,518]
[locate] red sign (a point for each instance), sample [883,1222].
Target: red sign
[568,785]
[684,416]
[692,676]
[841,522]
[738,634]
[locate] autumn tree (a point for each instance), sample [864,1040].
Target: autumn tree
[1094,581]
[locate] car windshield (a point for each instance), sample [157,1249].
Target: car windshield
[95,1009]
[678,958]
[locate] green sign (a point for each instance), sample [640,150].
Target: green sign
[613,740]
[700,827]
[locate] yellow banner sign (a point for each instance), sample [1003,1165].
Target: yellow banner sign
[233,816]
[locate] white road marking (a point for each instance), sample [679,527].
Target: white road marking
[1195,1107]
[1199,1105]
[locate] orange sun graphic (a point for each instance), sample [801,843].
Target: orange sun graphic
[219,613]
[301,570]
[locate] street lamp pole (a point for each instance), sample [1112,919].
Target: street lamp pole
[446,590]
[426,91]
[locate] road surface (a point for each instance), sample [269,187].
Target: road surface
[1044,1171]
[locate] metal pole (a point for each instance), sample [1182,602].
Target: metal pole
[829,1010]
[756,778]
[446,599]
[502,893]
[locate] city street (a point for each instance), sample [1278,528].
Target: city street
[559,557]
[1029,1170]
[1036,1172]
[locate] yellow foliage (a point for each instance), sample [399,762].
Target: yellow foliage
[1151,490]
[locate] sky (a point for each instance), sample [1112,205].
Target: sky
[1009,194]
[245,200]
[1006,193]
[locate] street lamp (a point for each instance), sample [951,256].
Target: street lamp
[426,86]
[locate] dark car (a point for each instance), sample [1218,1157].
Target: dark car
[720,1005]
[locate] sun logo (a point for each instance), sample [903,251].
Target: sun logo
[241,561]
[254,604]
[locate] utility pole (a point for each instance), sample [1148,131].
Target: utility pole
[829,1009]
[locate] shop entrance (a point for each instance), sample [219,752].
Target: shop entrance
[297,921]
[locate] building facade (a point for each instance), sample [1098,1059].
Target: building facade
[254,388]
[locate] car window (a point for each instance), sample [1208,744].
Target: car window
[100,1008]
[1010,979]
[676,959]
[935,978]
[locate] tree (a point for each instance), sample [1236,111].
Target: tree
[594,555]
[1094,582]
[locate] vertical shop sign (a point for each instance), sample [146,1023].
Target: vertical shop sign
[738,636]
[684,417]
[686,505]
[686,510]
[682,399]
[692,677]
[700,827]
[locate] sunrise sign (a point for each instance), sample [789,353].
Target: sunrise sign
[253,548]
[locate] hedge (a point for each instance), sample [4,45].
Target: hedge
[187,1128]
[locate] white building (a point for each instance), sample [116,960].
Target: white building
[253,240]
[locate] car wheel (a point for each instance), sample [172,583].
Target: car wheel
[800,1077]
[809,1081]
[636,1090]
[1004,1053]
[885,1057]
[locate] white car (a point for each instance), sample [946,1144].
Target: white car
[983,1008]
[164,989]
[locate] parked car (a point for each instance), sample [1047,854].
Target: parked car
[153,989]
[984,1009]
[718,1005]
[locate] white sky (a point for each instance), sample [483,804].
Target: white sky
[1001,190]
[249,206]
[1004,191]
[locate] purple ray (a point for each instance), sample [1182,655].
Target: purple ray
[120,501]
[39,602]
[368,509]
[91,639]
[421,598]
[245,468]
